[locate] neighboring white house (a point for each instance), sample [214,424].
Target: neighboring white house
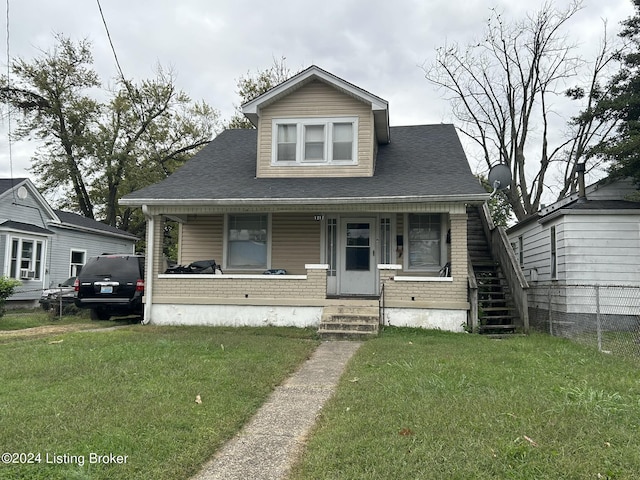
[41,246]
[581,255]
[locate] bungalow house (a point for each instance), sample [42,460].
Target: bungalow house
[342,209]
[581,258]
[41,246]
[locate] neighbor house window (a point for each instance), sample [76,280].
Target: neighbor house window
[315,141]
[247,239]
[554,259]
[424,232]
[520,251]
[77,262]
[26,259]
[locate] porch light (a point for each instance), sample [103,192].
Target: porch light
[317,218]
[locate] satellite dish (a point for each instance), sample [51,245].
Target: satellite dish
[499,177]
[22,193]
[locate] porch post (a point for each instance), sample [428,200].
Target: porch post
[149,261]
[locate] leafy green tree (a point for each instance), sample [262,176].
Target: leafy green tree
[95,151]
[621,103]
[252,85]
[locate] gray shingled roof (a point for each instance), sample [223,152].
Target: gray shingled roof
[84,222]
[25,227]
[603,205]
[9,183]
[424,161]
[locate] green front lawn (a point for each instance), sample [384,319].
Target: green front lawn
[429,405]
[132,392]
[412,404]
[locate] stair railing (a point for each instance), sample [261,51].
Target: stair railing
[502,252]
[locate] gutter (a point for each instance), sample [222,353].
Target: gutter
[471,199]
[71,226]
[148,281]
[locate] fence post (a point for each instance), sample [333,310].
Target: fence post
[598,322]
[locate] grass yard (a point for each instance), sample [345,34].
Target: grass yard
[431,405]
[21,319]
[132,392]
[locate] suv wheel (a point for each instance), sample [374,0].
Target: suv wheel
[100,314]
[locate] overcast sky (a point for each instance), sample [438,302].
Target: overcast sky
[378,45]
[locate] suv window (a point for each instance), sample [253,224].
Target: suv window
[114,266]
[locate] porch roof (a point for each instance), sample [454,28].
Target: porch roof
[422,163]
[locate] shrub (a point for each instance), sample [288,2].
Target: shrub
[7,286]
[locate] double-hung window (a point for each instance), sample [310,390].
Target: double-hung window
[26,259]
[425,243]
[247,241]
[77,262]
[315,141]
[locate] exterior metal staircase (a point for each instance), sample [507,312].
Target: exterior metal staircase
[496,310]
[349,322]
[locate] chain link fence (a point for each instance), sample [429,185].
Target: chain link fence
[603,316]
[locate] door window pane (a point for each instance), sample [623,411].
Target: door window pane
[385,240]
[332,246]
[358,247]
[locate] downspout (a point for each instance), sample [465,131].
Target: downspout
[148,281]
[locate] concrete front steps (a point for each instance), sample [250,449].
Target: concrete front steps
[349,322]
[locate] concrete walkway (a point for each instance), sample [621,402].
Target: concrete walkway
[269,444]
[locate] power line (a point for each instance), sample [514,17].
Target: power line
[115,55]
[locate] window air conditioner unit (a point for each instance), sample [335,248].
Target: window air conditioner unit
[27,274]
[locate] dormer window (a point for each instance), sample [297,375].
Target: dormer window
[312,141]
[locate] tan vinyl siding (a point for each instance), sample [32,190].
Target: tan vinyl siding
[201,239]
[317,99]
[295,242]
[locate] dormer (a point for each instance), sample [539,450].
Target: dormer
[317,125]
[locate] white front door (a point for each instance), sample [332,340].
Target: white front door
[357,271]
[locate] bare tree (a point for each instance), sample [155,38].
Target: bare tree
[503,91]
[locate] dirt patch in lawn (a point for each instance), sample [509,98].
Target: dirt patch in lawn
[55,330]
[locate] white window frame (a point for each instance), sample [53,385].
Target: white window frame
[35,265]
[301,124]
[443,243]
[73,266]
[226,243]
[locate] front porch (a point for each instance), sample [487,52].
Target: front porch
[362,263]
